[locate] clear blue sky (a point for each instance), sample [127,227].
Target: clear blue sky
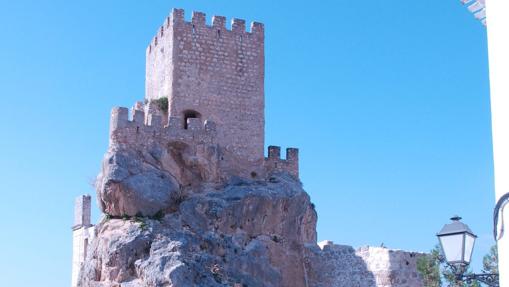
[388,102]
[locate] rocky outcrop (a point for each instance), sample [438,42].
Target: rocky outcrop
[180,211]
[247,232]
[175,216]
[174,219]
[130,185]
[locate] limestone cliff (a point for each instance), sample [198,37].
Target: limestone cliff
[248,232]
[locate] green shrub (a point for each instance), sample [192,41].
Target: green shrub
[162,104]
[429,267]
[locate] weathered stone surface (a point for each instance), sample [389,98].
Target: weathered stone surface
[215,72]
[218,230]
[248,232]
[128,185]
[343,266]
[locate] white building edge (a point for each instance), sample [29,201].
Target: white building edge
[495,15]
[498,50]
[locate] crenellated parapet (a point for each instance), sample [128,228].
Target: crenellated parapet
[198,25]
[144,129]
[274,162]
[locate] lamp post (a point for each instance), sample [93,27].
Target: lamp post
[457,243]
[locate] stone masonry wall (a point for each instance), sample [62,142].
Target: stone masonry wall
[335,265]
[392,267]
[275,163]
[215,71]
[143,131]
[82,210]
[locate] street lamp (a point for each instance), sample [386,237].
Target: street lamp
[457,243]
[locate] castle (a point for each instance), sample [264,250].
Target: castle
[213,80]
[202,121]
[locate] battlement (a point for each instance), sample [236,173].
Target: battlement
[199,24]
[274,162]
[142,129]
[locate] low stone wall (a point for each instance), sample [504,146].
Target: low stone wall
[332,265]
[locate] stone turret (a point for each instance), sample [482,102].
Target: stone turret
[82,212]
[212,72]
[82,234]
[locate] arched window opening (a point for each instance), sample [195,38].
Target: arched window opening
[190,114]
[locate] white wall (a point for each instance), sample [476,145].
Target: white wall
[498,45]
[78,250]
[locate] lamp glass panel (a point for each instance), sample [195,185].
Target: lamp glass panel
[452,246]
[469,247]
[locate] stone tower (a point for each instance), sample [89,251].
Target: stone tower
[212,72]
[82,234]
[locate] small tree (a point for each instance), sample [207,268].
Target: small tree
[429,267]
[490,261]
